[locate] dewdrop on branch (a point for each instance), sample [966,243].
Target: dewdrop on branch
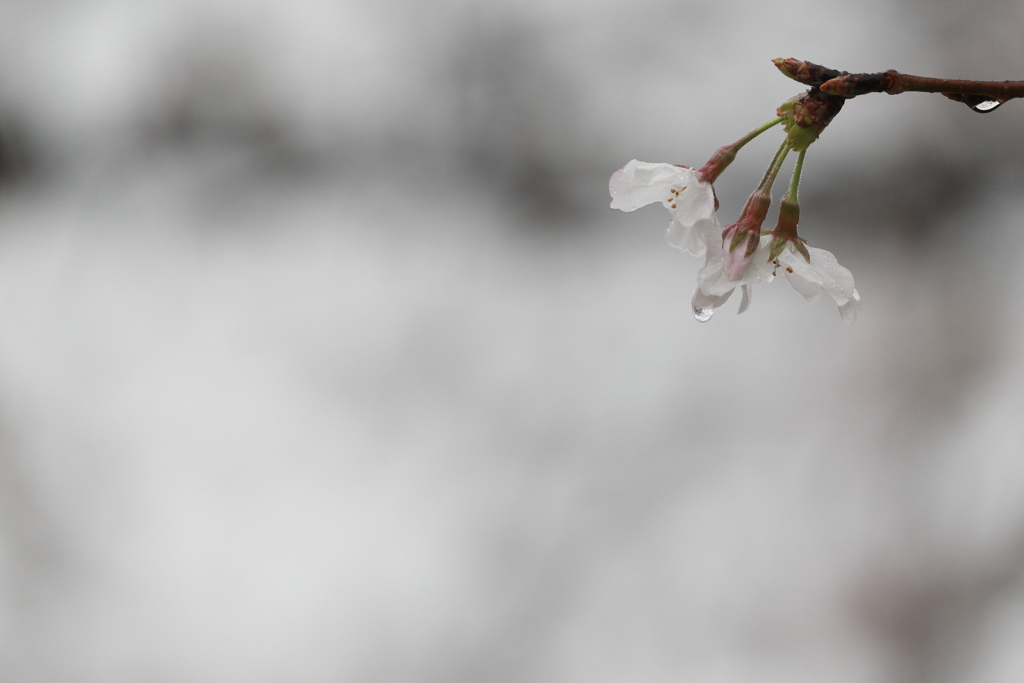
[743,254]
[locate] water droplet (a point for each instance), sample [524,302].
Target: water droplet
[703,314]
[985,106]
[980,103]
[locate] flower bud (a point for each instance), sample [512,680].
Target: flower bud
[807,73]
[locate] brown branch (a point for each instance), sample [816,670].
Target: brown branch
[847,85]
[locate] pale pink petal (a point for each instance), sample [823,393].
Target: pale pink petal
[713,279]
[736,262]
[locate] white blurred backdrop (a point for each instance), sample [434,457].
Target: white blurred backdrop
[322,357]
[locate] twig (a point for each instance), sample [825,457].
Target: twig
[979,95]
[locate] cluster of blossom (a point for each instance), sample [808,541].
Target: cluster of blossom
[742,254]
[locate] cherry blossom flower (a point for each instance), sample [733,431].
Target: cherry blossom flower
[681,190]
[821,273]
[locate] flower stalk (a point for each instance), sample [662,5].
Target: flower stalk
[748,227]
[789,215]
[725,154]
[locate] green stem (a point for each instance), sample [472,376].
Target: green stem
[759,201]
[736,146]
[795,182]
[724,156]
[773,170]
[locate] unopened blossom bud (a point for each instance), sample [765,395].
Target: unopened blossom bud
[740,240]
[807,73]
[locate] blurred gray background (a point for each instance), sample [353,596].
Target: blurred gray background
[322,357]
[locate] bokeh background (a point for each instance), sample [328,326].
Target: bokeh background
[322,357]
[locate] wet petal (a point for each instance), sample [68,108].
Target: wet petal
[809,290]
[640,183]
[695,202]
[702,300]
[848,311]
[825,272]
[693,237]
[713,279]
[736,262]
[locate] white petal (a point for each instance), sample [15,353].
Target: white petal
[695,202]
[640,183]
[745,301]
[848,312]
[693,238]
[760,268]
[713,277]
[825,272]
[714,288]
[736,261]
[690,200]
[702,300]
[811,291]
